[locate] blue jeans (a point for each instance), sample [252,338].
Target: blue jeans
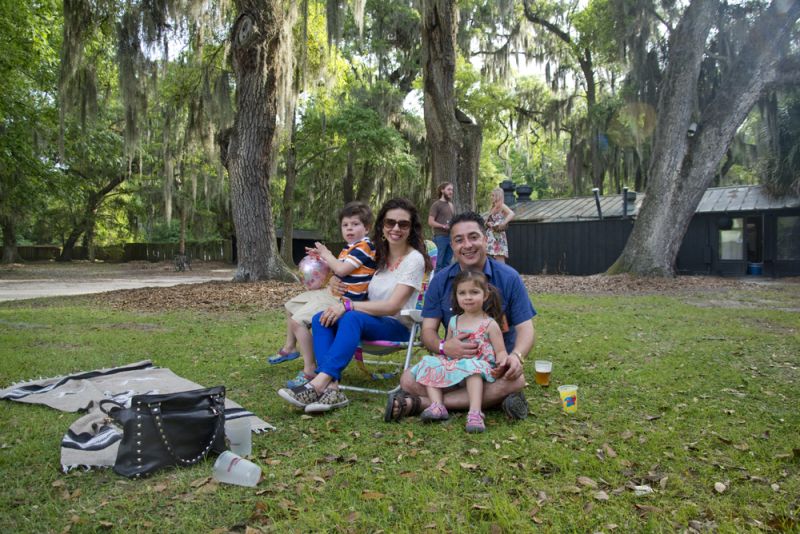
[334,346]
[444,254]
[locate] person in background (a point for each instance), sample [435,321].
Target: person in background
[439,217]
[496,224]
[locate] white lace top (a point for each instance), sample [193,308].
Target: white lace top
[409,272]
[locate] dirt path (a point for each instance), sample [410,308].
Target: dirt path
[49,279]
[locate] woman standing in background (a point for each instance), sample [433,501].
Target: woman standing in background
[496,224]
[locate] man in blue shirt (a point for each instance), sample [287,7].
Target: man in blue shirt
[468,240]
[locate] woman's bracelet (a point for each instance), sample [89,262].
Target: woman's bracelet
[348,305]
[441,347]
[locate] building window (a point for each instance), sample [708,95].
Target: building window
[731,241]
[789,238]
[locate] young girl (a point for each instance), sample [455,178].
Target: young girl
[477,311]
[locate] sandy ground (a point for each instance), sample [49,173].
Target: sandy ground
[50,279]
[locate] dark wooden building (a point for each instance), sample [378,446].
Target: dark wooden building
[735,231]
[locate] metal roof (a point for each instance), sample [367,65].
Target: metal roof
[573,209]
[715,200]
[743,198]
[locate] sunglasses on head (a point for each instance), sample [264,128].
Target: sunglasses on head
[388,224]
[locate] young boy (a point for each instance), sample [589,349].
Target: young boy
[354,266]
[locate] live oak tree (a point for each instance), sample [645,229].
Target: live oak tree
[261,46]
[704,97]
[454,138]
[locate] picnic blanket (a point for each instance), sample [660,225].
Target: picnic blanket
[92,440]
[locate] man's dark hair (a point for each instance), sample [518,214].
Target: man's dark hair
[442,187]
[358,209]
[469,216]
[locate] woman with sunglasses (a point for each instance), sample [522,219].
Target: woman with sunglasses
[402,262]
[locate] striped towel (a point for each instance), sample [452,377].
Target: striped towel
[92,440]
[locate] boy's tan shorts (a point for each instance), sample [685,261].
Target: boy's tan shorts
[306,305]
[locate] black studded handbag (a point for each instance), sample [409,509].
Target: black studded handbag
[172,429]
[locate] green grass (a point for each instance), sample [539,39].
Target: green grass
[677,393]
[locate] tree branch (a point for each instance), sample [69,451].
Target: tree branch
[552,28]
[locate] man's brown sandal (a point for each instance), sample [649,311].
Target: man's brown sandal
[403,400]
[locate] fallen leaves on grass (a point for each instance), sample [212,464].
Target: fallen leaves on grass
[645,509]
[271,295]
[209,296]
[200,482]
[372,495]
[587,482]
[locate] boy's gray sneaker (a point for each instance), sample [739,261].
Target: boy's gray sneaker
[515,406]
[330,400]
[300,396]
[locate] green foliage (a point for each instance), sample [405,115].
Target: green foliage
[783,159]
[154,114]
[28,35]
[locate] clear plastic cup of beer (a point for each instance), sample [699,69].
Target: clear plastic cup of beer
[543,369]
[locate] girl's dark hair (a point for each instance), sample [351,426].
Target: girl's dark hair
[414,236]
[493,306]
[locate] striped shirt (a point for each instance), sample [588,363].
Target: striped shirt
[361,255]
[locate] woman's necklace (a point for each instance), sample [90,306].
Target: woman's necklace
[393,265]
[396,263]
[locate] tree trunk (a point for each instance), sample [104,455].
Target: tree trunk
[182,232]
[261,40]
[10,253]
[454,138]
[683,166]
[287,252]
[87,221]
[88,241]
[349,180]
[69,245]
[366,184]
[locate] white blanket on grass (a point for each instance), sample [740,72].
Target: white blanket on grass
[92,440]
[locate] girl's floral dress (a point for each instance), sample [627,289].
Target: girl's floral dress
[441,371]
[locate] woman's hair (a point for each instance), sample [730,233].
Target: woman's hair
[414,236]
[492,306]
[497,190]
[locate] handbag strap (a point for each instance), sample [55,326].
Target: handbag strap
[217,401]
[115,406]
